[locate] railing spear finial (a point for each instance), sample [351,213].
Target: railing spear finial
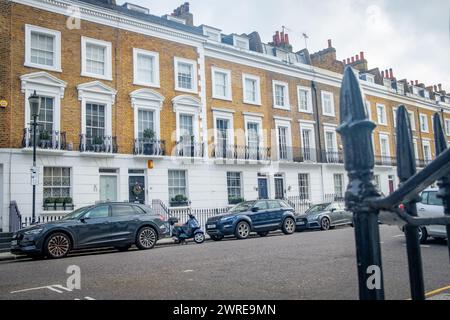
[406,168]
[356,132]
[444,182]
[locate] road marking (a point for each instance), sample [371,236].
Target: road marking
[89,298]
[398,236]
[62,287]
[422,246]
[186,271]
[437,291]
[50,287]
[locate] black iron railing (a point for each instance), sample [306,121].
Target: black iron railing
[149,147]
[15,218]
[240,152]
[365,201]
[52,140]
[190,149]
[104,144]
[332,157]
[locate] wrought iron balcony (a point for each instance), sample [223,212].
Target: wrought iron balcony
[385,161]
[240,152]
[149,147]
[332,157]
[190,149]
[105,144]
[50,140]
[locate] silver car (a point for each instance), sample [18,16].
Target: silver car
[431,206]
[328,215]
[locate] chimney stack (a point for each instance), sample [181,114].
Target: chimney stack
[182,12]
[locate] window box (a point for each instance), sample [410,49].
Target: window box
[179,201]
[58,204]
[234,201]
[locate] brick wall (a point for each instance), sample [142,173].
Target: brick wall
[5,80]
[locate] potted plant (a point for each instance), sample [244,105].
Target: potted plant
[179,201]
[149,141]
[49,204]
[44,138]
[235,200]
[68,203]
[59,204]
[97,144]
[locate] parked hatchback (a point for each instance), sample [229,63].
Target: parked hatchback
[118,225]
[261,216]
[431,206]
[327,215]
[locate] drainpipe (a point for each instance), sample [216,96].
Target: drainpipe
[317,126]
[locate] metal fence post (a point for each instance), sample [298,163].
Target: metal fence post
[444,182]
[356,130]
[406,168]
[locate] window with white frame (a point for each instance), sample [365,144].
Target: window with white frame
[234,186]
[177,184]
[96,59]
[281,95]
[222,127]
[332,154]
[308,142]
[146,68]
[338,179]
[252,90]
[370,78]
[376,179]
[253,138]
[303,186]
[186,127]
[146,123]
[447,127]
[46,114]
[95,123]
[423,122]
[385,150]
[56,182]
[381,114]
[283,148]
[304,99]
[185,75]
[411,118]
[416,149]
[427,151]
[42,48]
[241,42]
[368,109]
[221,84]
[327,104]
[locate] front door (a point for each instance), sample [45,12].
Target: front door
[263,192]
[136,187]
[108,188]
[391,184]
[279,188]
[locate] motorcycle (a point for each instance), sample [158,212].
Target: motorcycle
[189,230]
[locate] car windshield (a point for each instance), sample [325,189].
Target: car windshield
[242,207]
[317,208]
[75,214]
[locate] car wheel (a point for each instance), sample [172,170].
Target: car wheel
[57,245]
[423,235]
[216,238]
[146,238]
[263,234]
[325,224]
[288,226]
[123,248]
[199,238]
[242,230]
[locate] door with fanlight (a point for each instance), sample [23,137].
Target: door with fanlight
[108,187]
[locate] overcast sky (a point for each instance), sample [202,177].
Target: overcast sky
[410,36]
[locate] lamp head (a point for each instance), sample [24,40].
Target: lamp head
[35,104]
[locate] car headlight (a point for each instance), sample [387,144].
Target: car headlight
[313,217]
[33,231]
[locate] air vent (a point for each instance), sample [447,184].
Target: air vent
[135,7]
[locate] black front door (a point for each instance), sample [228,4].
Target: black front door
[279,188]
[262,189]
[136,187]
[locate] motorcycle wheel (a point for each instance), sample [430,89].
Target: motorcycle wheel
[199,238]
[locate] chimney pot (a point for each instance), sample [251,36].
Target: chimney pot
[277,38]
[391,73]
[440,86]
[348,60]
[286,38]
[417,82]
[282,38]
[344,62]
[353,59]
[386,72]
[329,43]
[412,82]
[357,57]
[435,88]
[362,55]
[382,74]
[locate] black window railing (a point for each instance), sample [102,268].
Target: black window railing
[104,144]
[235,152]
[190,149]
[149,147]
[51,140]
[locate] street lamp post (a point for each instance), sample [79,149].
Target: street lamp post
[34,102]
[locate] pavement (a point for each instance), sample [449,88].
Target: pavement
[304,266]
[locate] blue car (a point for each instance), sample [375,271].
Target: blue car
[260,216]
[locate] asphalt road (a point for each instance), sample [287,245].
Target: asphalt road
[306,265]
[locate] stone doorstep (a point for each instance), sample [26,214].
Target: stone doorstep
[5,256]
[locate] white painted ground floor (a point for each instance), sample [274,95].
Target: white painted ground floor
[207,183]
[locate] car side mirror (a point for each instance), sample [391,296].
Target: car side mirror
[333,209]
[255,209]
[83,219]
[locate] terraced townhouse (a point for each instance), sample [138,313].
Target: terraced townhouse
[137,107]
